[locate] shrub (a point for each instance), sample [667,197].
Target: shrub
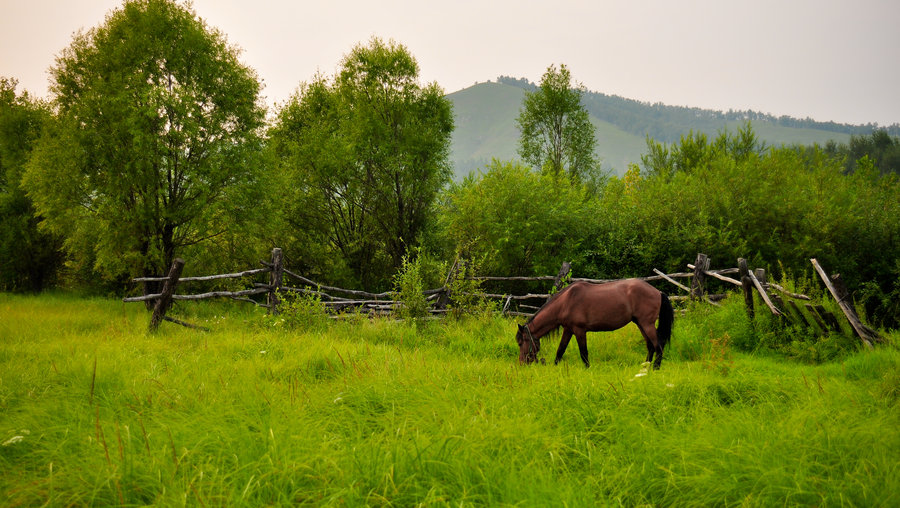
[408,289]
[299,311]
[467,294]
[418,272]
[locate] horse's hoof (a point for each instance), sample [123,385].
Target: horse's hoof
[543,362]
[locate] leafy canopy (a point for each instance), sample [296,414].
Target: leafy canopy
[364,155]
[29,258]
[154,142]
[556,134]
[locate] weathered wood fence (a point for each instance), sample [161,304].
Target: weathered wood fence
[781,302]
[777,300]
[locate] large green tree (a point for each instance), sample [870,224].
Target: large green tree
[157,126]
[29,258]
[556,134]
[364,155]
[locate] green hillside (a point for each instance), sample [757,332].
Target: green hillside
[485,125]
[486,128]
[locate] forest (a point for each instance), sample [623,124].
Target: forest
[146,152]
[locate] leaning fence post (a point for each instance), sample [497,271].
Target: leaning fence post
[444,298]
[759,281]
[275,280]
[840,293]
[165,298]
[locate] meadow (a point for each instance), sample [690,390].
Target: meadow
[94,410]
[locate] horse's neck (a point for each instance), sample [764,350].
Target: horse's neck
[544,321]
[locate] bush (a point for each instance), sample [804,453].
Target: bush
[466,293]
[408,289]
[517,221]
[299,311]
[418,272]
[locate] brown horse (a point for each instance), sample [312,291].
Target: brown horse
[585,307]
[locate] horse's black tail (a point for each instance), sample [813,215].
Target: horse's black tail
[666,319]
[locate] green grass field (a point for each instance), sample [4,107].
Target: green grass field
[96,411]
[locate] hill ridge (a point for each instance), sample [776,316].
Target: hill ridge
[486,113]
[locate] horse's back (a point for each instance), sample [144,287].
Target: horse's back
[607,306]
[626,288]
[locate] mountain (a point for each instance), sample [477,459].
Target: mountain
[486,126]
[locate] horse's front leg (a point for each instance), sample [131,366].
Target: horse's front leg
[581,337]
[563,344]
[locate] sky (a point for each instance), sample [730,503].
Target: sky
[822,59]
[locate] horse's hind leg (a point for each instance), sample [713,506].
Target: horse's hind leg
[650,350]
[653,346]
[563,344]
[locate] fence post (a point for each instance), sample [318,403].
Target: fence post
[819,319]
[275,280]
[165,298]
[746,285]
[796,308]
[698,284]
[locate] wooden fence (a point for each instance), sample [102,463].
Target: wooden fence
[777,300]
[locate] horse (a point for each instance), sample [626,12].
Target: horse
[585,307]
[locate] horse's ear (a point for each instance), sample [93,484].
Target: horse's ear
[521,327]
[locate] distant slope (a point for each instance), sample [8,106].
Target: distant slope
[485,117]
[486,126]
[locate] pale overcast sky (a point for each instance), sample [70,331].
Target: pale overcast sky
[824,59]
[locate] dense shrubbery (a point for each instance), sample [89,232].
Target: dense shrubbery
[728,197]
[518,221]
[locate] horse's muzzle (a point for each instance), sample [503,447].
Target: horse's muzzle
[531,358]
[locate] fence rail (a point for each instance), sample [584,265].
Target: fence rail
[780,302]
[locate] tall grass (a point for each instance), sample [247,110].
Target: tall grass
[96,411]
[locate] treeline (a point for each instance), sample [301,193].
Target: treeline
[728,197]
[880,148]
[667,123]
[146,152]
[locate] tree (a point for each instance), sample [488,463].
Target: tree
[157,126]
[29,258]
[883,148]
[695,150]
[365,154]
[556,132]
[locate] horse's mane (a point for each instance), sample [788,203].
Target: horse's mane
[550,300]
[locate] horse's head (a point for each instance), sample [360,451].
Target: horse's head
[528,345]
